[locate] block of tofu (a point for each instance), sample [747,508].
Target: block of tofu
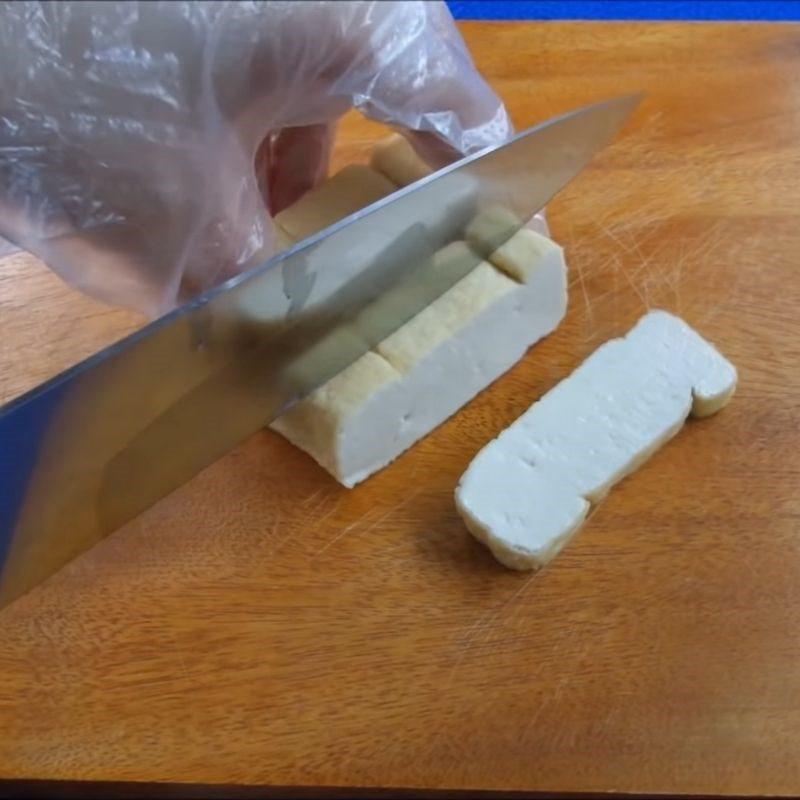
[420,375]
[528,491]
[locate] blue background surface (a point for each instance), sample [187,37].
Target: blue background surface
[732,10]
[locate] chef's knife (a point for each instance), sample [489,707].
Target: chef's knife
[90,449]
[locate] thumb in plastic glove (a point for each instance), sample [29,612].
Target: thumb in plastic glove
[143,145]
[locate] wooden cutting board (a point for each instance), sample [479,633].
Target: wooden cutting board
[263,627]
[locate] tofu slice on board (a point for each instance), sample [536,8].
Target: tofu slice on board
[528,492]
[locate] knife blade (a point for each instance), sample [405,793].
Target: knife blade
[95,446]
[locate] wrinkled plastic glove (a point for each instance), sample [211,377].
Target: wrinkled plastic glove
[145,145]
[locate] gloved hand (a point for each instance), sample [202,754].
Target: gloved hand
[129,131]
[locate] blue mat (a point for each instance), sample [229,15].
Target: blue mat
[699,10]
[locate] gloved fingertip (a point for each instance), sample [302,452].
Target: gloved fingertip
[298,160]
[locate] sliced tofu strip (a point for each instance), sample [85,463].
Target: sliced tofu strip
[349,190]
[528,491]
[346,192]
[396,159]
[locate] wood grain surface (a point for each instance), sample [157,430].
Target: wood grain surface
[263,627]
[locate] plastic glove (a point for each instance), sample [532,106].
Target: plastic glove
[129,131]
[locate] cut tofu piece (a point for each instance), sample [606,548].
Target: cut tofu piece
[337,425]
[396,159]
[346,192]
[420,375]
[386,314]
[528,491]
[283,241]
[490,229]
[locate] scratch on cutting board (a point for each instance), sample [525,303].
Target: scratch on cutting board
[727,283]
[368,523]
[311,508]
[582,281]
[284,540]
[590,301]
[483,628]
[675,277]
[705,250]
[315,509]
[548,700]
[657,280]
[339,535]
[607,231]
[394,509]
[635,285]
[310,498]
[274,529]
[334,507]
